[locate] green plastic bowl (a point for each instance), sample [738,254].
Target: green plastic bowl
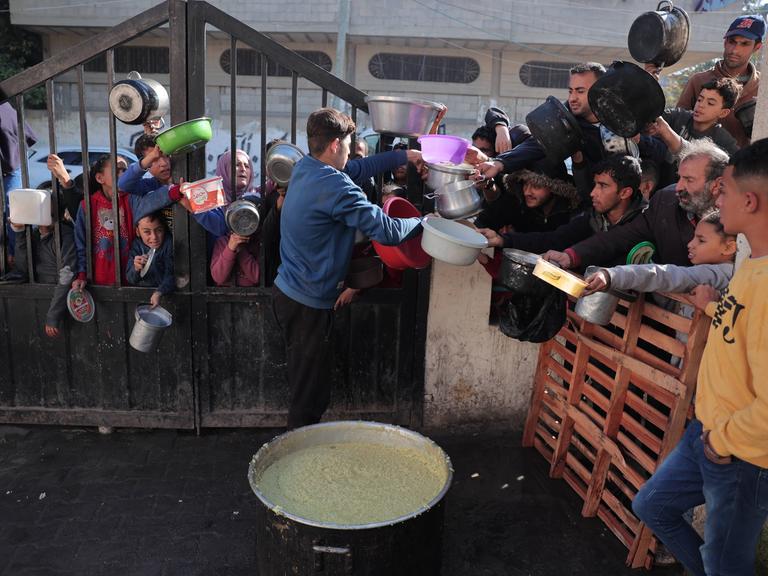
[185,137]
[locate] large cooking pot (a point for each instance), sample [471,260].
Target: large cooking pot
[517,271]
[288,544]
[408,254]
[280,160]
[444,173]
[138,100]
[626,99]
[555,128]
[402,116]
[660,37]
[458,199]
[745,114]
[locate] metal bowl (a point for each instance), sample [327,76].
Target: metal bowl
[402,116]
[458,199]
[242,217]
[281,159]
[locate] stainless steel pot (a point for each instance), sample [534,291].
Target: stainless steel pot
[242,217]
[137,100]
[599,307]
[445,173]
[280,160]
[149,327]
[402,116]
[517,271]
[458,199]
[660,37]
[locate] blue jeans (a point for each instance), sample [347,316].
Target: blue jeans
[736,498]
[11,181]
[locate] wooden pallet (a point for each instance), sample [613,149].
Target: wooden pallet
[610,402]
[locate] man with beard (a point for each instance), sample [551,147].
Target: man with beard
[668,222]
[743,38]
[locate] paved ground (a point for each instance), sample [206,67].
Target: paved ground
[73,502]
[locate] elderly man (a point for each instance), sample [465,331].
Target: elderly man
[743,38]
[668,222]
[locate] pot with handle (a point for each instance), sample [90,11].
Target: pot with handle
[660,37]
[137,100]
[458,199]
[442,174]
[555,128]
[626,99]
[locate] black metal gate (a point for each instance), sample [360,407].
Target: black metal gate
[222,363]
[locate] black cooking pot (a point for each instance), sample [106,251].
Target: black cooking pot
[556,129]
[287,544]
[517,271]
[660,37]
[745,114]
[626,99]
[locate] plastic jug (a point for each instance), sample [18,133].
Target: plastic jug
[31,207]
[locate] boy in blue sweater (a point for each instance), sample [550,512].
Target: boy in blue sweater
[318,222]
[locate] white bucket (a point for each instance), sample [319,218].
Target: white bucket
[28,206]
[149,327]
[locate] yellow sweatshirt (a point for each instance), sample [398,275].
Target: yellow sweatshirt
[732,392]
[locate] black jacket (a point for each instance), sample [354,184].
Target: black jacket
[579,228]
[664,223]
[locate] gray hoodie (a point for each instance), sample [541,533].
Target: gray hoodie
[669,278]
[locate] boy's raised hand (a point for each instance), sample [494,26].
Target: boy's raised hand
[56,166]
[151,155]
[139,261]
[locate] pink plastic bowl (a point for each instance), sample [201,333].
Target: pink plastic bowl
[443,148]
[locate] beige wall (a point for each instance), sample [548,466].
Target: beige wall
[474,375]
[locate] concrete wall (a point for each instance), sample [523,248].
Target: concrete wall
[475,376]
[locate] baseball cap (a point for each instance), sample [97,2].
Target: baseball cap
[752,27]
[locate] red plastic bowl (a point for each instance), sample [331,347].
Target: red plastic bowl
[408,254]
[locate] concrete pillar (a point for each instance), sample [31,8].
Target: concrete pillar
[475,375]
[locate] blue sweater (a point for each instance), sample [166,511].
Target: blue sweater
[214,221]
[318,223]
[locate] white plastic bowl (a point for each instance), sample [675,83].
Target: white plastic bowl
[451,242]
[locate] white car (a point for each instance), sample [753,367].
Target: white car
[40,176]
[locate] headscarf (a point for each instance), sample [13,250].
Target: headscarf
[224,170]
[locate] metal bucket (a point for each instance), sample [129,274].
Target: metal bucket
[291,544]
[599,307]
[149,327]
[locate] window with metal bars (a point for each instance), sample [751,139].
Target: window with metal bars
[423,68]
[542,74]
[249,62]
[145,59]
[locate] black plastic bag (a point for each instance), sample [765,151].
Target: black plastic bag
[533,317]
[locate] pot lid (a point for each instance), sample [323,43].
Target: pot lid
[126,102]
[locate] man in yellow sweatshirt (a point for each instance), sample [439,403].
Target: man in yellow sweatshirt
[722,459]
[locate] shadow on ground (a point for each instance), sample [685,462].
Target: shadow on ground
[73,502]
